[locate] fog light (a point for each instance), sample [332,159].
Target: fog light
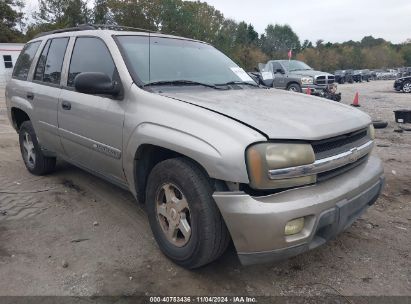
[294,226]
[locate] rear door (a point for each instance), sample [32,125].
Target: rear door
[46,91]
[91,126]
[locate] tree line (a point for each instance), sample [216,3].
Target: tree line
[198,20]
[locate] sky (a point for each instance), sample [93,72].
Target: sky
[329,20]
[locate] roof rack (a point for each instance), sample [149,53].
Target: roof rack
[87,27]
[120,28]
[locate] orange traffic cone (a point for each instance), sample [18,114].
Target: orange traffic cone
[308,91]
[356,102]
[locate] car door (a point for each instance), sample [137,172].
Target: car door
[91,126]
[46,91]
[279,78]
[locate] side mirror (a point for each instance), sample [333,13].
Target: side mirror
[281,71]
[95,83]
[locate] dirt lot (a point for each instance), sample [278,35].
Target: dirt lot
[102,235]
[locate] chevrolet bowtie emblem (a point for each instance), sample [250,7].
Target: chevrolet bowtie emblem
[354,155]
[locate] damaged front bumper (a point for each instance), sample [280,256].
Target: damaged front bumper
[256,224]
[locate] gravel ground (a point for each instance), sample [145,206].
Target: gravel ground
[86,237]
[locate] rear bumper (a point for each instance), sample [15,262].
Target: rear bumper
[257,224]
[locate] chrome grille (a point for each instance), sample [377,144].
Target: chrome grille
[332,173]
[339,144]
[324,79]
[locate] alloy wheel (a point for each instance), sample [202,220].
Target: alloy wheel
[29,152]
[173,214]
[407,87]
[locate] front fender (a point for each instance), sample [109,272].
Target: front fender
[214,141]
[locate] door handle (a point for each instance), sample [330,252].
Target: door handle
[30,95]
[66,105]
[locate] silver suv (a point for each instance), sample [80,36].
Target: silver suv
[213,156]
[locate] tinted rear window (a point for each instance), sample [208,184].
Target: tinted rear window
[21,70]
[51,61]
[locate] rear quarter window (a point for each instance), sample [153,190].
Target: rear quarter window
[22,67]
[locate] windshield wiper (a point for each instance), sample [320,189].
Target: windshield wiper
[180,82]
[237,82]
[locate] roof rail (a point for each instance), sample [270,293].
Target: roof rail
[82,27]
[86,27]
[121,28]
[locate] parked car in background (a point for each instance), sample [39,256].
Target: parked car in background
[213,156]
[373,75]
[403,84]
[358,76]
[366,75]
[293,75]
[343,76]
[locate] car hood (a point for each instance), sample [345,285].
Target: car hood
[311,73]
[279,114]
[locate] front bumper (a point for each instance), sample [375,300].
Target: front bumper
[314,88]
[398,86]
[256,224]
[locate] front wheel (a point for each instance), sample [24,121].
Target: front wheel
[294,87]
[406,88]
[36,163]
[183,216]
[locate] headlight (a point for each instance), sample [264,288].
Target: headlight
[268,156]
[371,131]
[307,80]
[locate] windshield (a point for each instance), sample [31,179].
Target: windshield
[295,65]
[166,60]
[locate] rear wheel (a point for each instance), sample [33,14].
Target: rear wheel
[36,163]
[294,87]
[184,218]
[342,80]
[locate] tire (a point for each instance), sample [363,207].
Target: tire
[379,124]
[342,80]
[406,87]
[294,87]
[36,163]
[191,203]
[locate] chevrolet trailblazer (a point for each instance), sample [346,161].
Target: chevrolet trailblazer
[213,156]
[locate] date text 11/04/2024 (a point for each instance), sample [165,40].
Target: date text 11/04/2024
[204,299]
